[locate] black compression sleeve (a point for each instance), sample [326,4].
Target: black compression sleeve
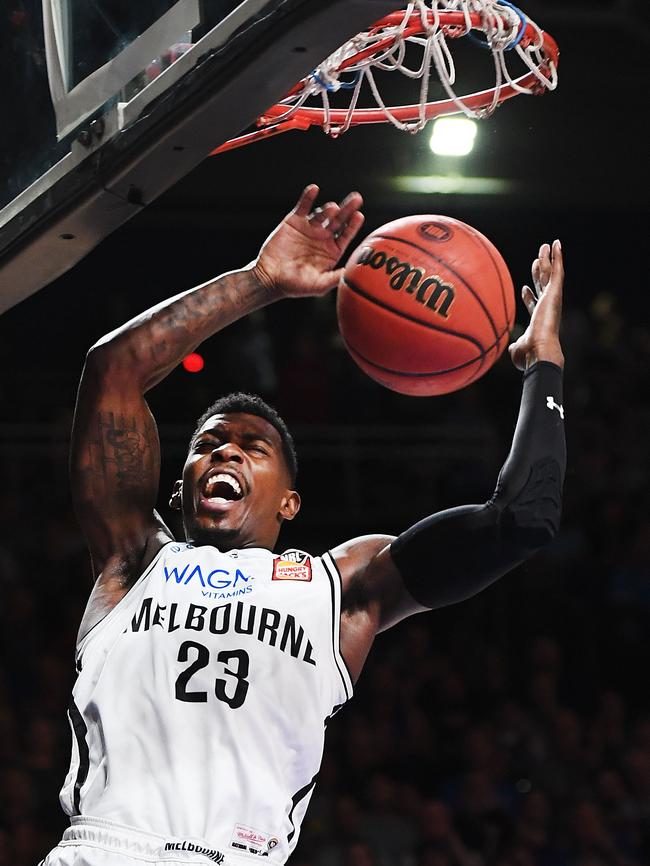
[454,554]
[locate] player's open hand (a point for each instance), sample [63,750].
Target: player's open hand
[300,257]
[541,339]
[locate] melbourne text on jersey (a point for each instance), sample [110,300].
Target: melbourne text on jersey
[265,624]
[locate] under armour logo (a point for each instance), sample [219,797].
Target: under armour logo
[551,404]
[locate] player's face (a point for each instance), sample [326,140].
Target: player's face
[235,490]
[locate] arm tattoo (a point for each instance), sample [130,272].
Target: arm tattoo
[123,450]
[199,313]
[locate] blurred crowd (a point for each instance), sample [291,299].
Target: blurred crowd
[511,730]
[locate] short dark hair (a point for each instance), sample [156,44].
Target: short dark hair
[251,404]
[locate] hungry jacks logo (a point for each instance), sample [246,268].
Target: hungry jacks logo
[292,565]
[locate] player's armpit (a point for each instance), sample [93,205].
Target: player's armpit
[374,594]
[373,597]
[454,554]
[114,464]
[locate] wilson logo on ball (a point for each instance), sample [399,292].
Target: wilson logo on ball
[430,291]
[435,231]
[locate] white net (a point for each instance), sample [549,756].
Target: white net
[425,28]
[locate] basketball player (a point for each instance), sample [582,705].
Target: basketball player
[208,668]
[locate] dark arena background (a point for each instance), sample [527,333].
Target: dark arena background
[513,729]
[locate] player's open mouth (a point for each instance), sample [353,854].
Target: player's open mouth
[220,491]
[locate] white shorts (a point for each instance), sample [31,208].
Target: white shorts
[96,842]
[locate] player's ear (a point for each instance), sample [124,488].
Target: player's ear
[290,505]
[175,500]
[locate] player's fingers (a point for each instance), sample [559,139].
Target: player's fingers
[544,265]
[306,201]
[350,229]
[528,297]
[331,211]
[536,274]
[326,281]
[517,354]
[324,215]
[350,205]
[557,267]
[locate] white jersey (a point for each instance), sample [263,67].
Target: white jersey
[202,698]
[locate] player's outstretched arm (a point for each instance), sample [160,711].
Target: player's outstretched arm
[454,554]
[115,451]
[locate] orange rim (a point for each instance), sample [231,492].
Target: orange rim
[453,25]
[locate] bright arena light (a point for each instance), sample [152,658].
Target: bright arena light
[454,184]
[453,136]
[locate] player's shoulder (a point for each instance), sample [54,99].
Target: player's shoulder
[353,557]
[119,575]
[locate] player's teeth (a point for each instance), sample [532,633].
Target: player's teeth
[227,479]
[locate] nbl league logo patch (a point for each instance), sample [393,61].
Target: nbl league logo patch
[292,565]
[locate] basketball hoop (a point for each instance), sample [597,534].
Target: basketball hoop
[427,27]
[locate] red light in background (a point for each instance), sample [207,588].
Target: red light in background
[193,363]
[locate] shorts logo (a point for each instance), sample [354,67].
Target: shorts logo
[292,565]
[252,841]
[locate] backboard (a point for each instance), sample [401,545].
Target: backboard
[106,104]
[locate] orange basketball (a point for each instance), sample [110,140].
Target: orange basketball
[426,305]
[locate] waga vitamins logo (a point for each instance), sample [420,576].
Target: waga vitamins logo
[216,583]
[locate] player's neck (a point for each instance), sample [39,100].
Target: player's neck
[229,540]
